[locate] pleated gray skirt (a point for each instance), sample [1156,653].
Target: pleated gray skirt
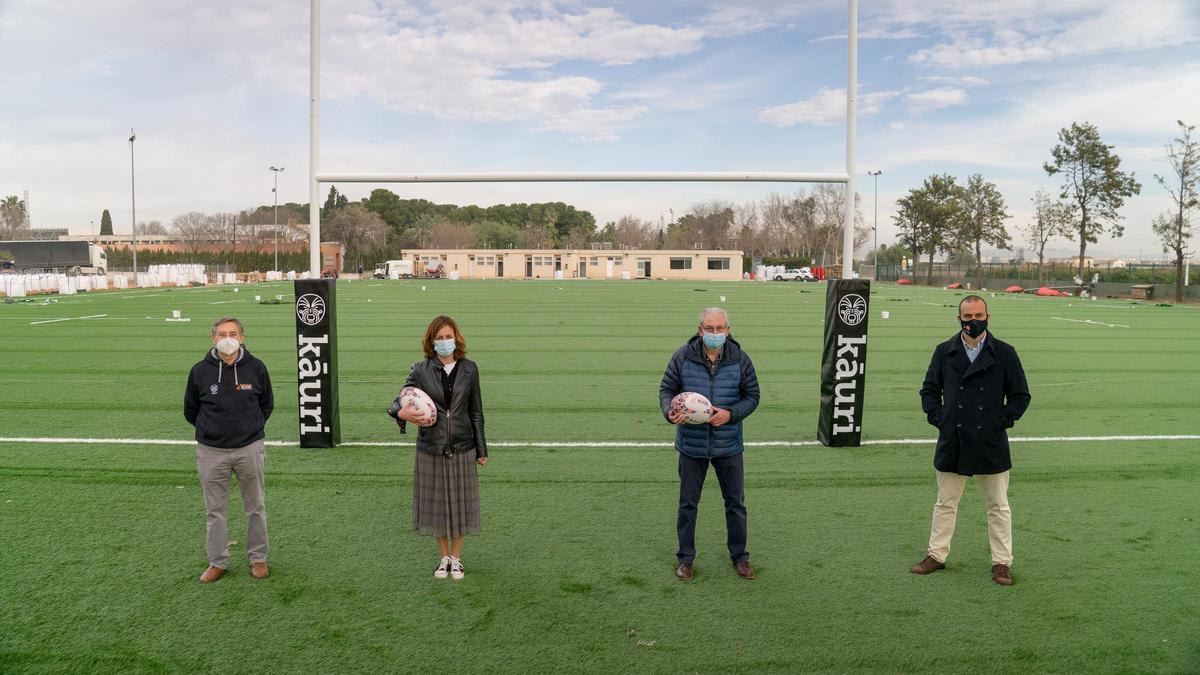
[445,495]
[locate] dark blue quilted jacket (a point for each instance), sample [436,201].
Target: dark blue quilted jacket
[734,387]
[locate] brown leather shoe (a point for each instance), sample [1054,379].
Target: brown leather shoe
[211,574]
[744,569]
[684,571]
[1002,575]
[928,565]
[259,570]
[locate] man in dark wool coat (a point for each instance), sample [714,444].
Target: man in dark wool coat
[974,391]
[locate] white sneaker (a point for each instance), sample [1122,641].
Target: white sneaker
[443,568]
[456,570]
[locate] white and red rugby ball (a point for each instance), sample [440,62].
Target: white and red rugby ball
[695,408]
[414,399]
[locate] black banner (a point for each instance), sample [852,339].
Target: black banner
[844,362]
[316,363]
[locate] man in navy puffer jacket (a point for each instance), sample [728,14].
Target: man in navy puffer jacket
[713,364]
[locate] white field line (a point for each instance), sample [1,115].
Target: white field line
[594,444]
[1094,323]
[73,318]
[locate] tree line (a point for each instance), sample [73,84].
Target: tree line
[956,219]
[942,216]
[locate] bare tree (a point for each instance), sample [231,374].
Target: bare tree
[746,229]
[223,227]
[829,217]
[448,234]
[358,230]
[1052,219]
[193,226]
[151,227]
[632,232]
[1174,228]
[775,224]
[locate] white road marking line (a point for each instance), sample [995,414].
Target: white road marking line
[73,318]
[1090,321]
[598,444]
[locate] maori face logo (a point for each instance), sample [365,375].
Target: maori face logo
[852,309]
[310,309]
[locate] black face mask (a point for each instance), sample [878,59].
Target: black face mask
[974,328]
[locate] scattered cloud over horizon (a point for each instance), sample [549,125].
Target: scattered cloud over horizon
[218,93]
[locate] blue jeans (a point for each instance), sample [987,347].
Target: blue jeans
[692,472]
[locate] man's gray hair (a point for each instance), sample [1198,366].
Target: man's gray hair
[228,319]
[714,310]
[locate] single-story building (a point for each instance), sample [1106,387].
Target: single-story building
[481,263]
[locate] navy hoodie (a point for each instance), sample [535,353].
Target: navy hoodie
[228,404]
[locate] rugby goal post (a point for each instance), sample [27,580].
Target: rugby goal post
[843,365]
[316,177]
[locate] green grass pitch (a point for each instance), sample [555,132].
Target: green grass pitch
[100,544]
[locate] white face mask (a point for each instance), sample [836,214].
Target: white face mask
[228,346]
[444,347]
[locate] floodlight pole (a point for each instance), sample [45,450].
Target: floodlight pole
[875,227]
[851,120]
[314,130]
[275,191]
[133,200]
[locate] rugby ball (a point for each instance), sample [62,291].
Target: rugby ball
[695,408]
[416,400]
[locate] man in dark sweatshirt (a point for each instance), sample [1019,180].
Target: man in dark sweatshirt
[228,399]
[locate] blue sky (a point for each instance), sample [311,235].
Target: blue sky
[218,92]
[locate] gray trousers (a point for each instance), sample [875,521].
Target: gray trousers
[215,466]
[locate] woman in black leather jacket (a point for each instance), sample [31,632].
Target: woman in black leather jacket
[445,478]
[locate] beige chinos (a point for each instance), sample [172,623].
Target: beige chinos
[945,513]
[215,466]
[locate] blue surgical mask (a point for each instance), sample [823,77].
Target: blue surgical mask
[444,347]
[714,340]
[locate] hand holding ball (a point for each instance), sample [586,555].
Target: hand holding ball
[417,407]
[692,407]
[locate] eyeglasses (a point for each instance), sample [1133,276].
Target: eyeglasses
[714,329]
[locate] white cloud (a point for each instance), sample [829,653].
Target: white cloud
[933,99]
[965,80]
[828,106]
[1134,109]
[878,33]
[1023,32]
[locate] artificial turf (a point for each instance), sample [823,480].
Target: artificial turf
[102,543]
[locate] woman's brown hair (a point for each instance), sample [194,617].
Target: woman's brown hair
[460,344]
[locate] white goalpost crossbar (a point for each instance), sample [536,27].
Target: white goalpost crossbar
[316,178]
[585,177]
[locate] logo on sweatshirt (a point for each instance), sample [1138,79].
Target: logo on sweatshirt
[212,388]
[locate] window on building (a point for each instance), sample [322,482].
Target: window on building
[684,263]
[718,263]
[594,262]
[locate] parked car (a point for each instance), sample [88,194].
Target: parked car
[802,274]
